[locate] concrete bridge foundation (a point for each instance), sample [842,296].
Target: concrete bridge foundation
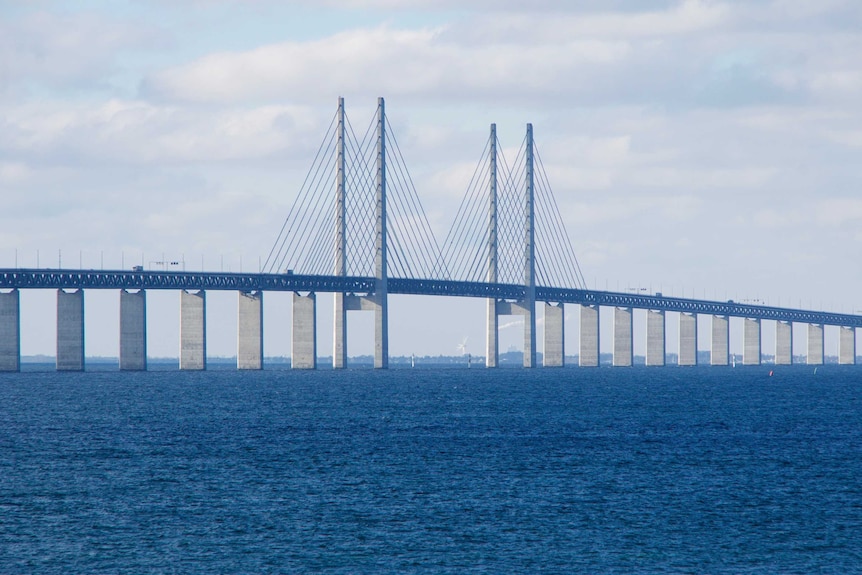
[554,355]
[783,343]
[133,330]
[70,330]
[339,332]
[655,342]
[492,345]
[193,332]
[249,336]
[720,350]
[750,341]
[623,337]
[10,331]
[847,345]
[687,339]
[588,355]
[815,344]
[303,350]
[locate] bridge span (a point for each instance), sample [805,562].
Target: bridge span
[132,285]
[357,230]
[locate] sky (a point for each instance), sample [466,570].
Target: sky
[697,147]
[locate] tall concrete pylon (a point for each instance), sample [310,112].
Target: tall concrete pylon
[339,338]
[381,291]
[527,306]
[530,259]
[492,347]
[377,301]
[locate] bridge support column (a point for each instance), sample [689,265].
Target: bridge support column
[687,339]
[193,330]
[588,354]
[339,339]
[783,343]
[10,331]
[381,330]
[303,350]
[847,345]
[529,312]
[529,255]
[249,337]
[623,336]
[554,355]
[339,335]
[720,349]
[133,330]
[655,345]
[381,267]
[815,344]
[750,341]
[492,345]
[70,330]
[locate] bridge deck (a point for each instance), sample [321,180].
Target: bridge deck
[117,279]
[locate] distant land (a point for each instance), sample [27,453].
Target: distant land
[507,359]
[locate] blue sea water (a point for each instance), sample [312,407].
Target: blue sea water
[705,470]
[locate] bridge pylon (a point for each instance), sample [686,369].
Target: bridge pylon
[509,232]
[361,238]
[525,306]
[378,301]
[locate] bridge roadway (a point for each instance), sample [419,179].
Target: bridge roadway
[248,282]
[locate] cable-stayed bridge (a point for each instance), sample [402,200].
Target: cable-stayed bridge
[357,229]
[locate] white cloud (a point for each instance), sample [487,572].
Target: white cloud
[838,211]
[43,49]
[687,17]
[14,172]
[382,60]
[138,132]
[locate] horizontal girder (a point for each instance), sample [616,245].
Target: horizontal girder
[94,279]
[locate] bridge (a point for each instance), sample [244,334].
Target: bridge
[357,230]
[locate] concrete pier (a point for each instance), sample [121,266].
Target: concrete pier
[815,344]
[381,330]
[750,341]
[588,355]
[303,350]
[655,342]
[10,331]
[623,342]
[528,307]
[249,332]
[193,330]
[783,343]
[847,345]
[687,339]
[70,330]
[554,355]
[492,345]
[720,349]
[133,330]
[339,333]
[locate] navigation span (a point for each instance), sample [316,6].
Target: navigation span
[357,230]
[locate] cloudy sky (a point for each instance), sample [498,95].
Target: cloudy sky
[698,147]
